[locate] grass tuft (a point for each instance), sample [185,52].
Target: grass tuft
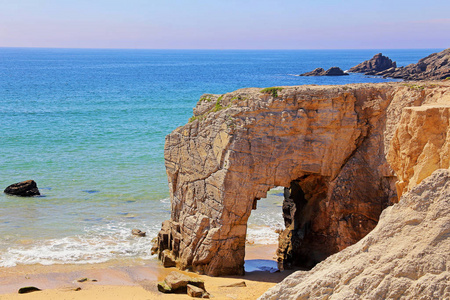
[272,91]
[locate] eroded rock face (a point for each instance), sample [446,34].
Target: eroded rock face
[376,64]
[326,144]
[406,256]
[421,144]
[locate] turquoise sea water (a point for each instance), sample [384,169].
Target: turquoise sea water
[89,125]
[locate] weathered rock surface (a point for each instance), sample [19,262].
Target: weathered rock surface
[374,65]
[333,71]
[24,189]
[421,144]
[433,67]
[406,256]
[325,144]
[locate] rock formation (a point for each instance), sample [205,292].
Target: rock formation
[421,144]
[433,67]
[24,189]
[374,65]
[325,144]
[333,71]
[406,256]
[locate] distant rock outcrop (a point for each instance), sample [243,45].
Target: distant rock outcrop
[326,145]
[374,65]
[24,189]
[333,71]
[433,67]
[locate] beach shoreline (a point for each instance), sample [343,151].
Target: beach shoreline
[130,279]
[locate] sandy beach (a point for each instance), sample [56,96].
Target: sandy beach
[129,280]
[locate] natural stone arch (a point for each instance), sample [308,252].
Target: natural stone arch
[224,159]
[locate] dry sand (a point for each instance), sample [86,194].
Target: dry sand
[129,280]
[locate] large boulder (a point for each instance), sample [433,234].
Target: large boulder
[177,282]
[374,65]
[24,189]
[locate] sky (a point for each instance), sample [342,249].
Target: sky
[225,24]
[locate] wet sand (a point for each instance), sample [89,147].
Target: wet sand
[130,280]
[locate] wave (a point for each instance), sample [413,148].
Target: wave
[98,244]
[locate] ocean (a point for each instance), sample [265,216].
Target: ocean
[88,125]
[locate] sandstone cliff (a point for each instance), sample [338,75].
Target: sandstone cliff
[405,257]
[325,144]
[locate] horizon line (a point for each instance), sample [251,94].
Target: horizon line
[215,49]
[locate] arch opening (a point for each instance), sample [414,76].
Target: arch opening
[305,241]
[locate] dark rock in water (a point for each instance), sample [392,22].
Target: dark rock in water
[315,72]
[28,289]
[24,189]
[333,71]
[374,65]
[138,232]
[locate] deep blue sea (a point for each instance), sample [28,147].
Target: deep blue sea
[89,126]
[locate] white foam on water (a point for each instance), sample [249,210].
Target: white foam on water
[98,244]
[262,228]
[262,235]
[165,201]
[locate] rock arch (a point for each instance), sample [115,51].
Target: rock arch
[325,142]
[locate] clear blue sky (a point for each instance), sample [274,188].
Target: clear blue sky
[225,24]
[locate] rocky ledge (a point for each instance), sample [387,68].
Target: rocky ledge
[326,145]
